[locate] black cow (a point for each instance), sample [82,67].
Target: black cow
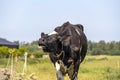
[67,47]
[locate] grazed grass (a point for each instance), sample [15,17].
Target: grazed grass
[93,68]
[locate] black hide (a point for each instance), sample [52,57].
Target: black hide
[70,39]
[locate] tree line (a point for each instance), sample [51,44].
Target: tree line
[104,48]
[94,48]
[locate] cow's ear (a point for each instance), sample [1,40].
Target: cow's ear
[42,34]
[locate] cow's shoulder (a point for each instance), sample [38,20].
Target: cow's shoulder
[63,27]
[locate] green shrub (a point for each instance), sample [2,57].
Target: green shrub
[3,51]
[38,54]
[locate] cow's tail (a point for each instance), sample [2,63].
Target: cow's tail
[83,50]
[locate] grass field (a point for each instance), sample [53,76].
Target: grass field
[93,68]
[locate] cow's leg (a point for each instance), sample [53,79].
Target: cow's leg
[74,77]
[59,73]
[76,68]
[76,62]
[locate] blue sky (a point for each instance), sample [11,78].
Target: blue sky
[24,20]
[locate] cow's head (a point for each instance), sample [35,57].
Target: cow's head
[48,42]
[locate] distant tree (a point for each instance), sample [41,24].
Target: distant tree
[38,54]
[3,51]
[90,45]
[32,48]
[21,51]
[17,42]
[111,45]
[34,43]
[97,51]
[104,48]
[102,45]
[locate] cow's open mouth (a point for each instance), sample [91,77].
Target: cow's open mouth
[41,47]
[46,47]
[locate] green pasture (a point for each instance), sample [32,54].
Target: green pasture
[93,68]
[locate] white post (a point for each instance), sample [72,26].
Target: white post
[25,64]
[12,65]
